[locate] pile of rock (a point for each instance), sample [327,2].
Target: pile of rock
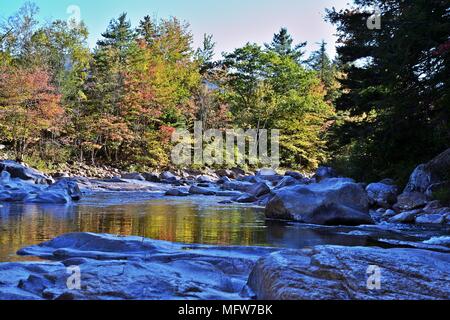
[19,183]
[417,203]
[76,169]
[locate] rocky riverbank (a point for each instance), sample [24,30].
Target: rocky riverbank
[137,268]
[113,267]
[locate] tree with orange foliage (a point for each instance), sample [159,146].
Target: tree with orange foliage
[30,108]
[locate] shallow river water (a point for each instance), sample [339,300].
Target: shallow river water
[188,220]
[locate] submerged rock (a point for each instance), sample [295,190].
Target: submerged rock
[331,202]
[343,273]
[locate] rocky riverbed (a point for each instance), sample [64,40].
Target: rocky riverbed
[413,266]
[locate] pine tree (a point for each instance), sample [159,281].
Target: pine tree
[327,71]
[282,44]
[396,85]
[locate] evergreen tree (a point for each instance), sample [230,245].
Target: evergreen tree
[282,44]
[327,71]
[396,86]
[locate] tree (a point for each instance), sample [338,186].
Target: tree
[205,54]
[327,71]
[29,107]
[396,88]
[282,44]
[268,90]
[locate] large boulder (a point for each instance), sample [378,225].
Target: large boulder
[286,182]
[168,176]
[16,190]
[324,173]
[331,202]
[382,195]
[259,189]
[410,200]
[237,186]
[349,273]
[201,191]
[405,217]
[20,171]
[433,172]
[69,186]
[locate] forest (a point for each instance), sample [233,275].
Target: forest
[376,110]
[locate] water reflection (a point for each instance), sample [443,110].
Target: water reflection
[189,221]
[192,220]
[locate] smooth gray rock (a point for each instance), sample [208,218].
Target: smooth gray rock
[435,171]
[176,193]
[133,176]
[169,177]
[323,173]
[127,268]
[201,191]
[295,175]
[16,190]
[287,181]
[405,217]
[17,170]
[206,179]
[237,186]
[430,219]
[410,200]
[151,177]
[226,173]
[331,202]
[341,273]
[259,189]
[246,198]
[266,172]
[382,195]
[69,186]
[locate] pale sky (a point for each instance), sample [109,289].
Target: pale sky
[232,22]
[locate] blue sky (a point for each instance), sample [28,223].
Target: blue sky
[232,22]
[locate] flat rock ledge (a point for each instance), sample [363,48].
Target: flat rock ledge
[129,268]
[132,268]
[342,273]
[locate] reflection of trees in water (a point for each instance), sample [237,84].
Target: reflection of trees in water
[23,225]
